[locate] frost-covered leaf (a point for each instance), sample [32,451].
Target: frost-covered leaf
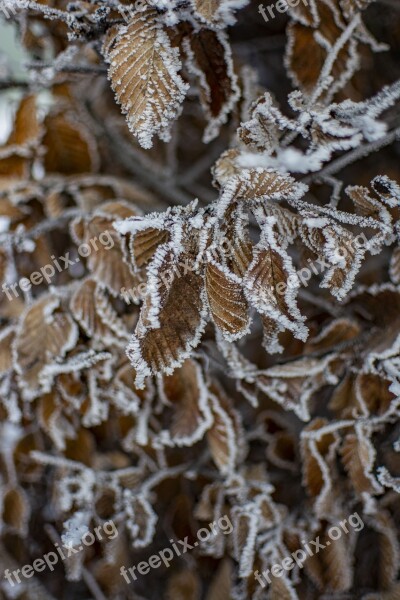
[259,184]
[140,518]
[144,73]
[171,321]
[94,312]
[186,393]
[105,258]
[331,569]
[309,46]
[227,301]
[318,460]
[44,335]
[211,60]
[271,283]
[225,435]
[358,458]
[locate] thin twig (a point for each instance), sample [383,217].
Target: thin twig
[81,69]
[11,83]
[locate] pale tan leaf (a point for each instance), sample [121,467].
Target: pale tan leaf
[144,73]
[207,8]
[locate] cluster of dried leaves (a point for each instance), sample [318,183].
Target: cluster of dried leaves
[259,374]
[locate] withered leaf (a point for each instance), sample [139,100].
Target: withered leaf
[212,62]
[92,309]
[185,390]
[207,8]
[16,509]
[227,301]
[184,585]
[308,46]
[145,243]
[106,261]
[358,459]
[171,321]
[70,147]
[44,335]
[221,584]
[224,436]
[144,73]
[331,568]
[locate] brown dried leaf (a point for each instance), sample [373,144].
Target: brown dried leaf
[184,585]
[26,126]
[228,305]
[306,53]
[331,569]
[207,8]
[43,336]
[219,92]
[221,583]
[316,456]
[70,147]
[266,281]
[16,509]
[224,436]
[6,339]
[282,589]
[185,390]
[257,184]
[91,307]
[358,459]
[106,261]
[336,332]
[180,308]
[144,245]
[144,73]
